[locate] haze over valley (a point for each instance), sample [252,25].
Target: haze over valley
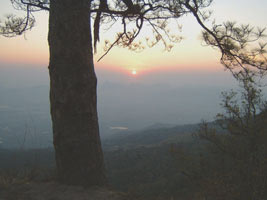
[125,103]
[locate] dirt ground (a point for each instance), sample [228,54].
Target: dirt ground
[56,191]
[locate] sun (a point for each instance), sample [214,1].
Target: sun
[134,72]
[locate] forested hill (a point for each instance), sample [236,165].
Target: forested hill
[145,163]
[138,162]
[150,136]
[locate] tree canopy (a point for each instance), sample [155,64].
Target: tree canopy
[240,45]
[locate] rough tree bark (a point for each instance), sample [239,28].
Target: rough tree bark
[79,156]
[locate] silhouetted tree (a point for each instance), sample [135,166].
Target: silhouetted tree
[242,46]
[241,144]
[73,81]
[72,78]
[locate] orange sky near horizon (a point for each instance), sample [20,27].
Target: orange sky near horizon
[188,55]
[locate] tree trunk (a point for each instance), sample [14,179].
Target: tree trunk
[79,156]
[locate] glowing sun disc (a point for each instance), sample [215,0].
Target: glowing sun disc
[134,72]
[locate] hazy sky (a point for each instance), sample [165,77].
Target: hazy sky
[187,55]
[24,59]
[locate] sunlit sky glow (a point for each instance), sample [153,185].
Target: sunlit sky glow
[137,89]
[188,55]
